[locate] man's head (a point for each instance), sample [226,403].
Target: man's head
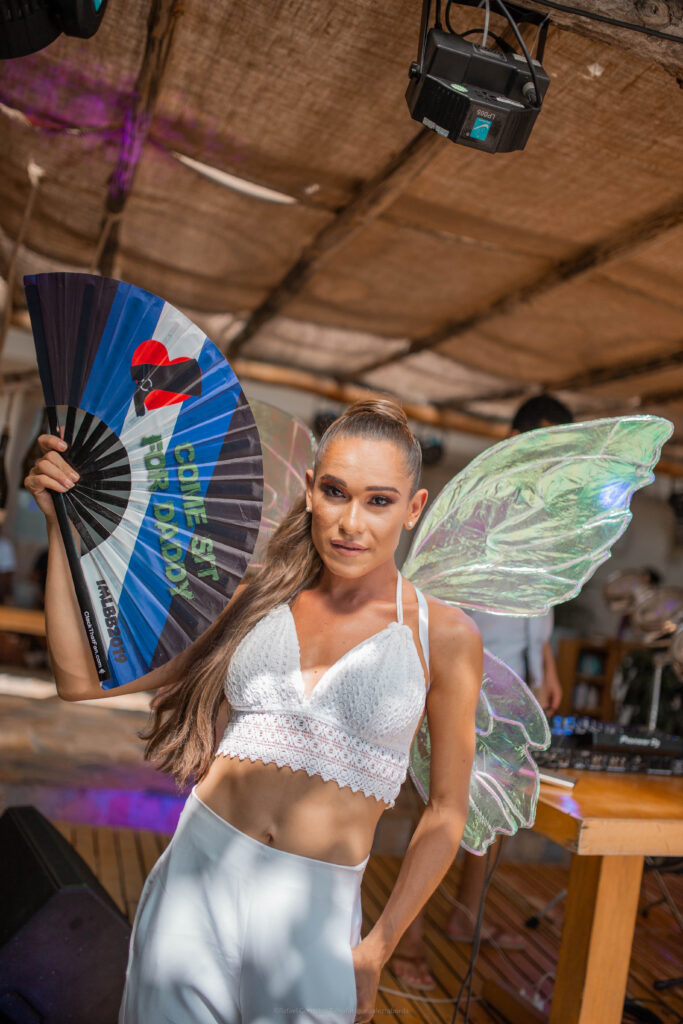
[540,411]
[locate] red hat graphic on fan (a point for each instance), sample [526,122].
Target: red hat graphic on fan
[160,380]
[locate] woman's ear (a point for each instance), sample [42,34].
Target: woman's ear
[309,487]
[417,503]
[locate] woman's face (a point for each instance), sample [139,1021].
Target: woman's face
[360,502]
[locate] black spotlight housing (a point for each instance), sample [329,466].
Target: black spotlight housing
[30,25]
[321,421]
[479,97]
[432,451]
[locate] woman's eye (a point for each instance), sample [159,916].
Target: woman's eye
[331,491]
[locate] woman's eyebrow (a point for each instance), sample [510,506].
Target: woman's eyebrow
[342,483]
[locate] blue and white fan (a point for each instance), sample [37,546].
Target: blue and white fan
[168,503]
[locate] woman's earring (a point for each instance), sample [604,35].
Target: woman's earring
[410,524]
[308,508]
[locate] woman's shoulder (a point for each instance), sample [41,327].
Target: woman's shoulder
[451,629]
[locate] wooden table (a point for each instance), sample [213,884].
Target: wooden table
[609,822]
[22,620]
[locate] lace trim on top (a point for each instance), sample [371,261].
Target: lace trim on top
[319,748]
[356,725]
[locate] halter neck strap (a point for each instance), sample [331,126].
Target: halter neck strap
[399,597]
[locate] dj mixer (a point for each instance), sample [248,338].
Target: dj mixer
[582,742]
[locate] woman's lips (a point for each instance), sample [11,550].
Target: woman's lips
[345,549]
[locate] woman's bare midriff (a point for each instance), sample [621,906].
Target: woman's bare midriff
[291,810]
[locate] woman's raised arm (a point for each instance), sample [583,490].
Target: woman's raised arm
[70,656]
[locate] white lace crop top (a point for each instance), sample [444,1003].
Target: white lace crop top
[357,724]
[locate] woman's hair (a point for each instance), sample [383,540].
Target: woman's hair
[379,419]
[181,735]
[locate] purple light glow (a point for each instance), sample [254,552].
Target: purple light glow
[61,98]
[63,94]
[116,808]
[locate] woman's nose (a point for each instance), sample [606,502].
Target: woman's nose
[351,518]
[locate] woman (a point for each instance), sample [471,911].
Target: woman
[327,658]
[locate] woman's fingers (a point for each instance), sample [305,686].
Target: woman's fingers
[36,483]
[53,465]
[50,442]
[48,474]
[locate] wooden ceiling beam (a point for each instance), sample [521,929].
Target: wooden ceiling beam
[330,388]
[444,419]
[366,206]
[663,397]
[591,378]
[161,24]
[661,18]
[624,241]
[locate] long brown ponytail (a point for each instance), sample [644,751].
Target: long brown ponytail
[181,734]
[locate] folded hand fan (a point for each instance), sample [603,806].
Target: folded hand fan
[168,503]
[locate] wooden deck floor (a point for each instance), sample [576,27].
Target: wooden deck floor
[121,858]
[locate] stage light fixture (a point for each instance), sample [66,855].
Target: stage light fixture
[432,451]
[30,25]
[472,94]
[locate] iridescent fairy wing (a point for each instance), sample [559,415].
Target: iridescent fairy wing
[520,529]
[288,448]
[528,521]
[504,783]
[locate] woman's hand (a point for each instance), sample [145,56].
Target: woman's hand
[50,473]
[368,970]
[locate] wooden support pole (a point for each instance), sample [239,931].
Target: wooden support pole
[163,18]
[366,206]
[35,175]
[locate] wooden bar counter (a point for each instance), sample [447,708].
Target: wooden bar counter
[609,822]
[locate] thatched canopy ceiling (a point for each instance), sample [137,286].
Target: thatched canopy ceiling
[373,253]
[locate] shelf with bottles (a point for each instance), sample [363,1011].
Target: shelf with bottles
[586,668]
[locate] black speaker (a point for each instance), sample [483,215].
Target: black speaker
[63,940]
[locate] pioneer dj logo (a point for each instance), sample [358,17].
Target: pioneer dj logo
[160,380]
[111,621]
[653,742]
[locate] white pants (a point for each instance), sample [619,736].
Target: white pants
[229,930]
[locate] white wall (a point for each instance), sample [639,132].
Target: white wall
[651,541]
